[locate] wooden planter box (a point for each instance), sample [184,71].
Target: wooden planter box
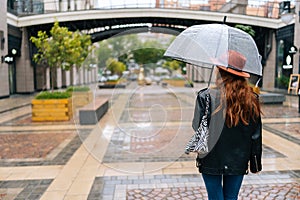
[175,83]
[113,84]
[80,99]
[51,109]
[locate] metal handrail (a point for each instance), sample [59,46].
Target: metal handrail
[263,8]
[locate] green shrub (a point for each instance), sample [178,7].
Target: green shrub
[189,83]
[283,81]
[53,95]
[175,78]
[78,89]
[113,81]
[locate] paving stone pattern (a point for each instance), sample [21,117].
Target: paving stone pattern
[63,156]
[30,145]
[184,187]
[147,125]
[27,189]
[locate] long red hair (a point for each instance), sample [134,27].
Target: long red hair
[242,104]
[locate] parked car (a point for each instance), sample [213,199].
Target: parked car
[148,81]
[113,77]
[133,77]
[102,79]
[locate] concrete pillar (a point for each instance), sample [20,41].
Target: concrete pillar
[24,72]
[73,75]
[85,75]
[65,78]
[89,76]
[80,76]
[48,85]
[4,86]
[189,72]
[91,72]
[95,74]
[42,77]
[270,67]
[198,74]
[57,78]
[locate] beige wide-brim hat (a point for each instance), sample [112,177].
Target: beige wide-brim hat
[236,63]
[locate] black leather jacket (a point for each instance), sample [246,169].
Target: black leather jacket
[230,148]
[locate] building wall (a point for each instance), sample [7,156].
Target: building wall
[41,78]
[297,39]
[65,78]
[24,72]
[269,69]
[4,86]
[199,74]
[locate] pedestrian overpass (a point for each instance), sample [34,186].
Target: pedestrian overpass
[112,22]
[104,23]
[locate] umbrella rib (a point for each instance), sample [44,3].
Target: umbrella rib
[216,53]
[210,76]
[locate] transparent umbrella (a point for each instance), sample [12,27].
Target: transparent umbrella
[212,45]
[208,45]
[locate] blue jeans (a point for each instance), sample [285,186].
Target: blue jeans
[229,190]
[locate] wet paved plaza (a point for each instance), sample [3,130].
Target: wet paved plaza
[136,151]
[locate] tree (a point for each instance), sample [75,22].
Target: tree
[247,29]
[148,55]
[103,53]
[116,67]
[123,45]
[117,47]
[174,65]
[62,49]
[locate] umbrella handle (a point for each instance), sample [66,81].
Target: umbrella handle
[256,85]
[224,19]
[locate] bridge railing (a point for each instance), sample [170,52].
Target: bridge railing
[259,8]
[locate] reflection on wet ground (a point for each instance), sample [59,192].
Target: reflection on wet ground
[135,151]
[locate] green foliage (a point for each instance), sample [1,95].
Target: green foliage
[113,81]
[116,67]
[175,78]
[148,55]
[53,95]
[78,89]
[189,83]
[283,81]
[173,64]
[130,47]
[62,48]
[119,48]
[103,53]
[247,29]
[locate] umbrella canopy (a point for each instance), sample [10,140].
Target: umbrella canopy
[209,45]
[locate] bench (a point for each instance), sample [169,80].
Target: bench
[110,86]
[93,112]
[272,98]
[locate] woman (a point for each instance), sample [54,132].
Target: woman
[240,140]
